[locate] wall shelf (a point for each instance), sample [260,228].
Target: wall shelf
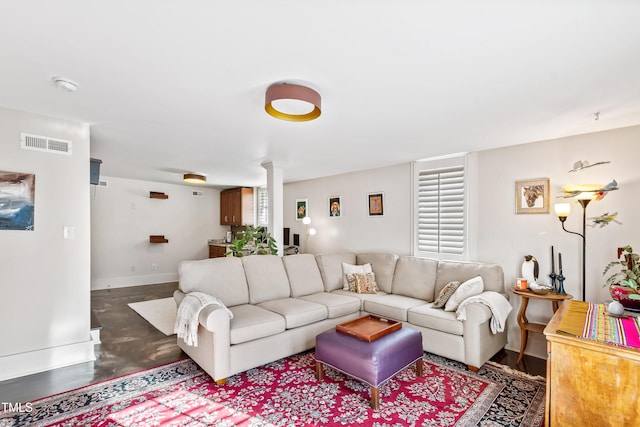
[155,238]
[158,195]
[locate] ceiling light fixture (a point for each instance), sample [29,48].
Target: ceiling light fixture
[294,102]
[66,84]
[195,178]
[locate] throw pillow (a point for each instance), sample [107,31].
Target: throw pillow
[353,269]
[445,294]
[468,289]
[362,283]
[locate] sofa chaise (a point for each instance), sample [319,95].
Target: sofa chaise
[280,304]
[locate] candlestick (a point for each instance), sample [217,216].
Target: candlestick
[560,262]
[553,275]
[561,290]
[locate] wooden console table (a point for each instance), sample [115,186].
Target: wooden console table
[589,383]
[525,325]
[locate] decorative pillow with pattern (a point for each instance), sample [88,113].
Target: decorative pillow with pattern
[467,289]
[353,269]
[445,294]
[362,283]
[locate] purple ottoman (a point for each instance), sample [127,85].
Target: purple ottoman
[372,362]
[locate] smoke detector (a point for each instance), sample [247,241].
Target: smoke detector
[66,84]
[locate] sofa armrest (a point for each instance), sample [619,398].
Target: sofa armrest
[479,342]
[215,319]
[477,313]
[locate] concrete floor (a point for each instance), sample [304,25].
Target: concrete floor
[130,344]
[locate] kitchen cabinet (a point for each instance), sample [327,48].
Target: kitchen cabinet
[217,251]
[236,206]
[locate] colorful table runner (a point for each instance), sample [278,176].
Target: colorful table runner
[601,326]
[593,322]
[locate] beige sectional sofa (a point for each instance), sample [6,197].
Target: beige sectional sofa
[280,304]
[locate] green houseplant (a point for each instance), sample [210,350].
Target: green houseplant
[253,241]
[623,284]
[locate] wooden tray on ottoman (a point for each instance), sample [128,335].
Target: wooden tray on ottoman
[369,328]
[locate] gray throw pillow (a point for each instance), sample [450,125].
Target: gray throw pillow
[445,294]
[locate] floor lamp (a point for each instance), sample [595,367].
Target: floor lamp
[563,210]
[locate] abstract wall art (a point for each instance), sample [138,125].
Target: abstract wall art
[17,191]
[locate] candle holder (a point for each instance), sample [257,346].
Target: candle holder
[553,277]
[561,290]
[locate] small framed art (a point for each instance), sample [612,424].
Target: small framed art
[532,196]
[301,209]
[376,204]
[335,207]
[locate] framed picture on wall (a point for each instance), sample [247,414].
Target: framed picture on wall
[532,196]
[17,204]
[335,207]
[301,209]
[376,204]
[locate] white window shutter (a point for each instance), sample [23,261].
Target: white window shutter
[263,207]
[440,213]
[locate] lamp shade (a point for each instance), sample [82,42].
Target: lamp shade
[293,102]
[306,220]
[194,178]
[562,209]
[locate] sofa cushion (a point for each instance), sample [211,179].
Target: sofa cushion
[348,269]
[337,305]
[296,312]
[331,269]
[392,306]
[251,322]
[362,283]
[383,265]
[415,277]
[491,274]
[220,277]
[361,297]
[433,318]
[304,274]
[445,294]
[467,289]
[266,277]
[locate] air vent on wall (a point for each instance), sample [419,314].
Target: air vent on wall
[45,143]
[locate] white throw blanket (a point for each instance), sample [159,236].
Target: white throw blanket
[187,317]
[499,305]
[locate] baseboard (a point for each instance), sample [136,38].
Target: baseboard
[126,281]
[32,362]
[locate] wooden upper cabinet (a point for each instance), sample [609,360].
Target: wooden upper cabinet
[236,206]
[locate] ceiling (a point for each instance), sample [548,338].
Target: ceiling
[176,86]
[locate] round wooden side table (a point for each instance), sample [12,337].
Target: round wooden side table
[525,325]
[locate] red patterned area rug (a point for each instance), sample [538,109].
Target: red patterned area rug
[286,393]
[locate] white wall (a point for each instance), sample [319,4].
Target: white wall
[497,234]
[45,279]
[504,237]
[122,218]
[355,230]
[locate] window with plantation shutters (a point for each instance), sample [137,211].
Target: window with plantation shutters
[440,211]
[263,207]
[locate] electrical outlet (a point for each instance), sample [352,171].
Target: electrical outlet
[154,266]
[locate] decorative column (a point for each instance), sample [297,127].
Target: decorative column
[275,199]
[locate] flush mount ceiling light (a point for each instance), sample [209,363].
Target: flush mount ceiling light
[65,84]
[194,178]
[294,102]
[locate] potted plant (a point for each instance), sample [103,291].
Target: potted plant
[624,283]
[253,241]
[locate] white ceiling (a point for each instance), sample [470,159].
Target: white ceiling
[175,86]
